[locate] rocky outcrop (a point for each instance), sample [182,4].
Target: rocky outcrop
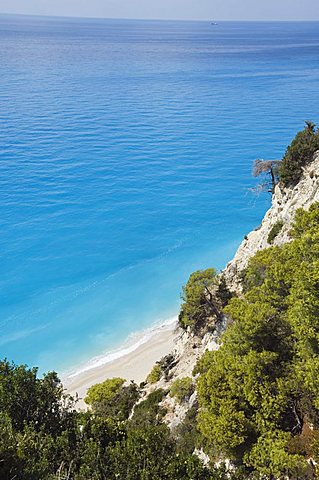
[188,350]
[176,412]
[285,202]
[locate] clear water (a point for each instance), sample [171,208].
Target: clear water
[125,162]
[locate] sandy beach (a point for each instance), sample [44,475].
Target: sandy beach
[134,365]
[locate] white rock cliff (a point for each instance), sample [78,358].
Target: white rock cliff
[285,202]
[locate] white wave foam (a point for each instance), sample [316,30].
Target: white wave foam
[133,342]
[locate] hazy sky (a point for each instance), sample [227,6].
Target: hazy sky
[170,9]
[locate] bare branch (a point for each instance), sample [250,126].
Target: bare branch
[264,166]
[268,168]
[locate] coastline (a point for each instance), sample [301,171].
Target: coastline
[133,361]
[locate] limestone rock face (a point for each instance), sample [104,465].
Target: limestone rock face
[285,202]
[176,412]
[189,348]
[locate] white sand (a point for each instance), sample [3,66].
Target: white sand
[134,365]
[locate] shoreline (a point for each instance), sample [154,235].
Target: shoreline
[133,361]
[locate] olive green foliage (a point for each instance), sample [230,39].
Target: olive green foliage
[39,400]
[275,230]
[187,435]
[182,389]
[104,391]
[299,153]
[155,374]
[112,398]
[223,293]
[259,393]
[196,306]
[44,438]
[150,454]
[308,222]
[149,412]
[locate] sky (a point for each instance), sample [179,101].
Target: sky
[169,9]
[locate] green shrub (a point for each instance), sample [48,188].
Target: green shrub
[150,454]
[275,230]
[223,293]
[187,435]
[306,221]
[44,437]
[149,412]
[196,306]
[299,153]
[104,391]
[258,265]
[112,398]
[155,374]
[182,389]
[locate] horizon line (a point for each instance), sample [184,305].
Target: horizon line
[156,19]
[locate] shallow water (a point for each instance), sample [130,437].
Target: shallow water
[125,162]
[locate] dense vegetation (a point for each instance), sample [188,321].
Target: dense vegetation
[299,153]
[196,307]
[44,438]
[113,398]
[182,389]
[204,296]
[259,393]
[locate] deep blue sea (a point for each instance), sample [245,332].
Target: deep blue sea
[125,163]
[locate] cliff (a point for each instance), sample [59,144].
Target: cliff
[191,346]
[285,202]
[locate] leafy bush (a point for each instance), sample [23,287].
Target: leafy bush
[256,271]
[223,293]
[149,412]
[306,221]
[182,389]
[299,153]
[275,230]
[186,434]
[155,374]
[43,437]
[197,306]
[106,390]
[259,392]
[26,398]
[150,454]
[112,398]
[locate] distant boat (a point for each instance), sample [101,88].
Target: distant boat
[213,23]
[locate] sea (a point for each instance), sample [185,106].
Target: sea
[126,151]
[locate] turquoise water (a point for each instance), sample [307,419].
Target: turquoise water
[125,162]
